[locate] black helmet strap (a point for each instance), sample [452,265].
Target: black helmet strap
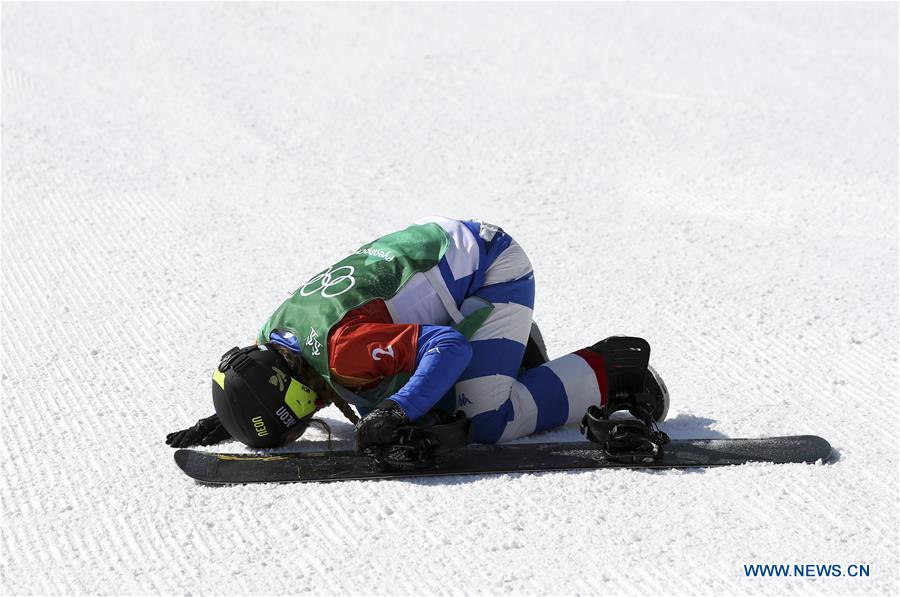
[237,358]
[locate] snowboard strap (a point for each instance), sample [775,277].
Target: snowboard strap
[624,440]
[415,446]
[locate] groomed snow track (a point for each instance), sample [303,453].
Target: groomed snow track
[719,178]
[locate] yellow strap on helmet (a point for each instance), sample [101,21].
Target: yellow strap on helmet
[300,399]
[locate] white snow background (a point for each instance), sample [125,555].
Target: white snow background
[719,178]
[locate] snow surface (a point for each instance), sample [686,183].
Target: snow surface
[719,178]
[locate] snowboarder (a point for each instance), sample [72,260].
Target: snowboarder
[435,318]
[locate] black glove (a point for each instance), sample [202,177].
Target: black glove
[206,432]
[378,426]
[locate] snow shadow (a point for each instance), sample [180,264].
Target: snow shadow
[686,426]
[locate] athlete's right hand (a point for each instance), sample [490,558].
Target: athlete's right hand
[206,432]
[378,427]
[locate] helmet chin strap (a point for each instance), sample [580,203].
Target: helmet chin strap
[319,423]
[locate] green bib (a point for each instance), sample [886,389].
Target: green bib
[377,270]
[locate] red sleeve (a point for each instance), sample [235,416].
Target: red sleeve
[361,353]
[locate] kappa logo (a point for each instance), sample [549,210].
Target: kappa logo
[313,340]
[278,379]
[330,285]
[376,354]
[462,400]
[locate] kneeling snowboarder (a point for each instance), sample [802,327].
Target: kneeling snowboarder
[413,327]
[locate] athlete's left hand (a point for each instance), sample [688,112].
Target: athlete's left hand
[206,432]
[378,426]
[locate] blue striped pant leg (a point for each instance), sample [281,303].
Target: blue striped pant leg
[504,402]
[560,390]
[503,407]
[485,389]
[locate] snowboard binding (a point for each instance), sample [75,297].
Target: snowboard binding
[417,446]
[639,439]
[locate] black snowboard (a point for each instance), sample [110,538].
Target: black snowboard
[346,465]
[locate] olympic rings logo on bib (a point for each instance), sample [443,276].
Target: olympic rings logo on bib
[326,281]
